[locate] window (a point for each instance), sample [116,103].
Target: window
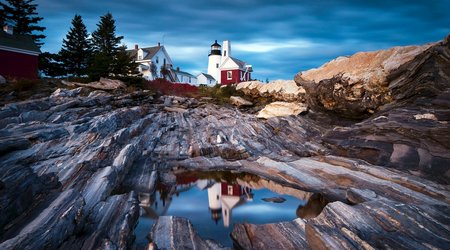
[140,57]
[164,61]
[229,75]
[230,190]
[157,59]
[224,53]
[217,65]
[189,79]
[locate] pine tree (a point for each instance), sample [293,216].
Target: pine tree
[123,62]
[76,48]
[23,15]
[110,57]
[104,38]
[51,65]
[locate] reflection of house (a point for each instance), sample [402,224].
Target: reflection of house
[223,197]
[205,79]
[153,62]
[225,68]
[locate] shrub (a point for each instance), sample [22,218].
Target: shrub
[220,94]
[164,87]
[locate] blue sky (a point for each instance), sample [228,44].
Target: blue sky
[279,38]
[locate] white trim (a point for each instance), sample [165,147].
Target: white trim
[229,74]
[21,51]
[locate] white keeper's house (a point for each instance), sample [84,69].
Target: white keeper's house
[153,62]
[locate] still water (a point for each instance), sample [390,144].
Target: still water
[214,201]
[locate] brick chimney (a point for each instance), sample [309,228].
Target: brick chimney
[136,47]
[159,44]
[8,29]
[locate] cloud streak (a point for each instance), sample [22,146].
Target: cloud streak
[278,38]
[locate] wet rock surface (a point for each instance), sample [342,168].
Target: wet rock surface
[171,232]
[71,165]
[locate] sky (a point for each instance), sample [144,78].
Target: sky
[278,38]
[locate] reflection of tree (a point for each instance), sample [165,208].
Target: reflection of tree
[164,192]
[313,207]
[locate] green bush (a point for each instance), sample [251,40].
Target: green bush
[219,93]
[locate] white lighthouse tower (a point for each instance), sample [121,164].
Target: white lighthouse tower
[214,61]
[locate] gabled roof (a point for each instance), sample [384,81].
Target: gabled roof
[151,52]
[207,76]
[19,42]
[237,63]
[240,63]
[183,73]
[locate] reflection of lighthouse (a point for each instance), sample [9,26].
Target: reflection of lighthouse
[214,200]
[224,197]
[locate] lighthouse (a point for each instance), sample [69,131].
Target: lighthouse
[224,68]
[214,61]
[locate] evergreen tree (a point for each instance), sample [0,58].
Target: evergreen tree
[110,57]
[51,65]
[76,48]
[23,15]
[104,38]
[123,62]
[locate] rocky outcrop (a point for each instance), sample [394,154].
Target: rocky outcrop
[410,133]
[171,232]
[285,235]
[102,84]
[239,101]
[281,109]
[279,90]
[386,202]
[381,224]
[357,86]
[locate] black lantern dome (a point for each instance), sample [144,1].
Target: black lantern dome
[215,49]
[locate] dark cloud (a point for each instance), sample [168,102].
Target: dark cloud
[278,38]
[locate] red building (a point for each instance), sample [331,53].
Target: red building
[18,55]
[234,71]
[225,68]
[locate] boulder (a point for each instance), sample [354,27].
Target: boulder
[279,90]
[282,109]
[102,84]
[239,101]
[359,85]
[67,92]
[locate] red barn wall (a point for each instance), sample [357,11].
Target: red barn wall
[18,65]
[236,77]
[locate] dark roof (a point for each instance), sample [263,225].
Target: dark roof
[215,44]
[16,41]
[183,72]
[208,76]
[151,51]
[238,62]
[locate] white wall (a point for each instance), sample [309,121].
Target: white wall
[202,79]
[187,79]
[213,70]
